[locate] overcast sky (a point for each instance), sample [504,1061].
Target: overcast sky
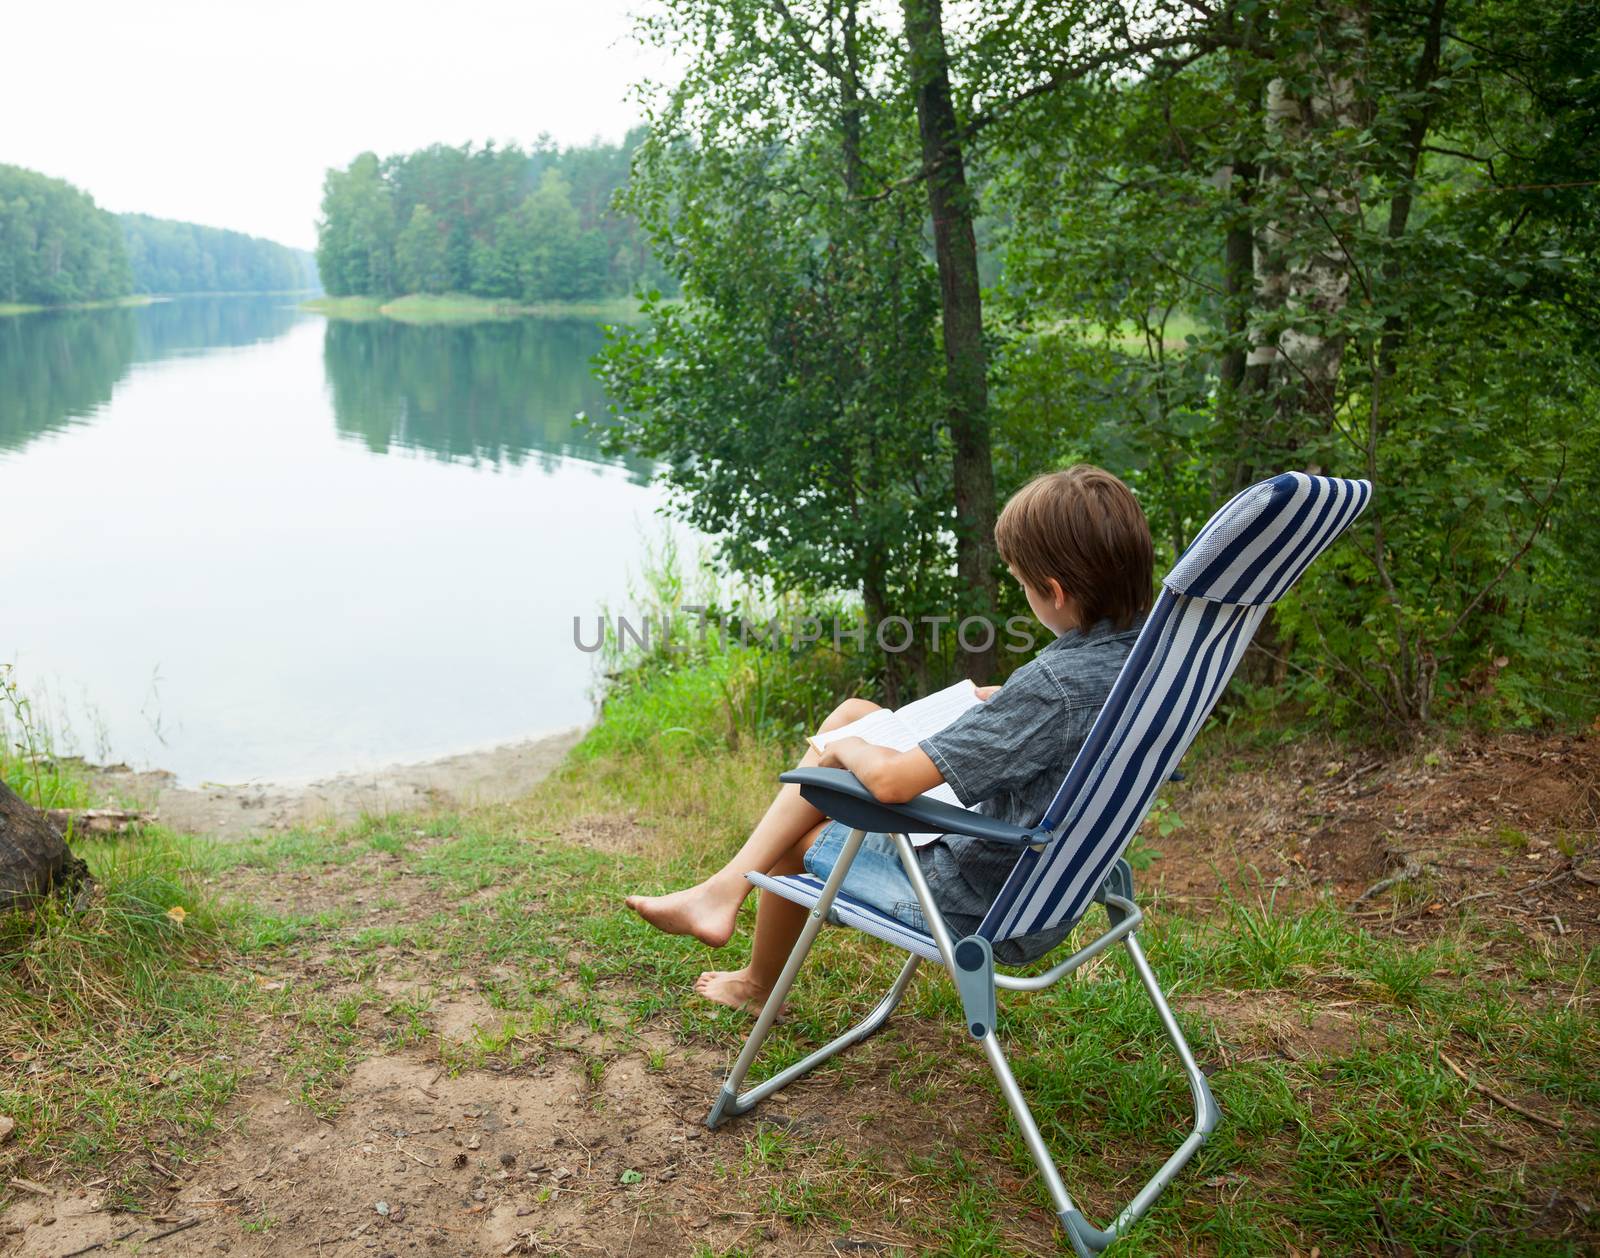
[228,113]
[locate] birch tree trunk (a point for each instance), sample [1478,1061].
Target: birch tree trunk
[1303,269]
[1302,277]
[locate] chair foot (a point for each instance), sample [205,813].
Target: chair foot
[725,1106]
[1087,1241]
[730,1101]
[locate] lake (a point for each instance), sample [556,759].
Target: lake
[241,541]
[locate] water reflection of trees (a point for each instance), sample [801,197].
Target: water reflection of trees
[168,328]
[58,368]
[497,392]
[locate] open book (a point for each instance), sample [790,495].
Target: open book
[904,728]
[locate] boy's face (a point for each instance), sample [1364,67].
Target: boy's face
[1054,610]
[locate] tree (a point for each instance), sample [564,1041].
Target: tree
[56,245]
[545,229]
[1236,237]
[1357,238]
[420,254]
[172,257]
[794,397]
[950,204]
[518,224]
[355,239]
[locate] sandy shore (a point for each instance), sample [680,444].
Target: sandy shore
[225,811]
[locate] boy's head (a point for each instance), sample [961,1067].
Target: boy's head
[1079,543]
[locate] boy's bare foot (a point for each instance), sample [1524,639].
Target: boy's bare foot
[733,988]
[697,911]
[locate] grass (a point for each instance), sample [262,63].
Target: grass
[47,782]
[110,1019]
[28,761]
[1322,1144]
[1345,1129]
[1127,337]
[462,307]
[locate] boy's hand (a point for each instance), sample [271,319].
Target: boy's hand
[830,759]
[893,777]
[985,692]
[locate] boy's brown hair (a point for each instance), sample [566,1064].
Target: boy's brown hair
[1085,528]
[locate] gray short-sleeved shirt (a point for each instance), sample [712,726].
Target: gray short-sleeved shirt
[1008,756]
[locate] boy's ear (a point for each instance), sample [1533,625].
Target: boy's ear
[1058,596]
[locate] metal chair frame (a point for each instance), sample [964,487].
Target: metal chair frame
[970,963]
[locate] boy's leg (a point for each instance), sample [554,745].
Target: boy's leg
[709,910]
[778,924]
[877,877]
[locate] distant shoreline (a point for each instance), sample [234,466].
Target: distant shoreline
[108,303]
[144,299]
[429,308]
[492,774]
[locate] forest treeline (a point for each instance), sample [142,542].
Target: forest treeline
[168,256]
[58,247]
[522,225]
[1233,239]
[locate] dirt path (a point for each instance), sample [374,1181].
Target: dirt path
[445,1066]
[236,811]
[586,1138]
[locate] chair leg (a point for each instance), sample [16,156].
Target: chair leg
[729,1102]
[1086,1239]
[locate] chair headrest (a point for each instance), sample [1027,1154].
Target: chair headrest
[1257,545]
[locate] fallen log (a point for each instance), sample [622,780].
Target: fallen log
[96,820]
[34,858]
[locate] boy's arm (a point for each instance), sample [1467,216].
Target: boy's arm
[893,777]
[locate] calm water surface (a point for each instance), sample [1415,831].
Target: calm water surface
[239,541]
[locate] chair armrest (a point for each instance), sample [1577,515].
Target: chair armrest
[840,795]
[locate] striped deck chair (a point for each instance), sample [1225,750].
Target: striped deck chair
[1243,561]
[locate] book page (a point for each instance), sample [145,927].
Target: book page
[882,728]
[932,713]
[904,729]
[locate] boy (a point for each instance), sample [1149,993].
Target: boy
[1078,543]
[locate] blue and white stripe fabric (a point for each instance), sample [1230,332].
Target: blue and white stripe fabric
[1258,545]
[1246,558]
[807,890]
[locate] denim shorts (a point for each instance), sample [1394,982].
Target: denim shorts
[877,877]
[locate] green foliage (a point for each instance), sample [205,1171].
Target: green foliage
[1392,277]
[172,257]
[709,669]
[420,254]
[520,225]
[1231,240]
[356,237]
[794,397]
[29,765]
[56,246]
